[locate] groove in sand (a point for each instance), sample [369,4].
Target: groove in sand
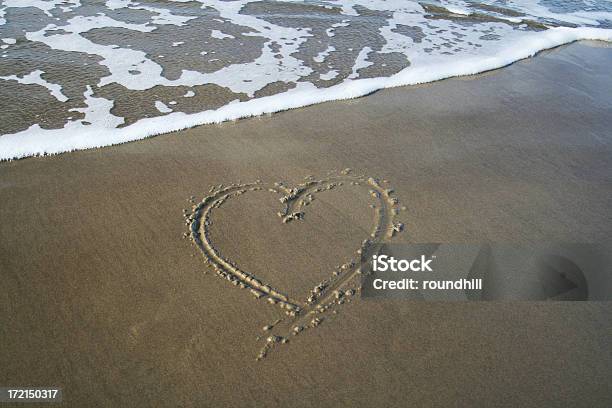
[335,290]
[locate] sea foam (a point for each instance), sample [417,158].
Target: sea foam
[279,61]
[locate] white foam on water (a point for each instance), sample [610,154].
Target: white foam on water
[537,10]
[162,107]
[458,10]
[134,70]
[45,5]
[332,30]
[320,57]
[37,141]
[220,35]
[361,62]
[117,4]
[35,78]
[329,75]
[437,49]
[119,61]
[97,114]
[162,15]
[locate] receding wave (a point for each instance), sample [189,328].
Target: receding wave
[75,75]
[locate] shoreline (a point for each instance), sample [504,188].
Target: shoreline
[103,296]
[82,137]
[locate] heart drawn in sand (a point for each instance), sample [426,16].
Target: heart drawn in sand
[295,200]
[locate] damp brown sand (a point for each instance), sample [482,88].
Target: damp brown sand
[102,295]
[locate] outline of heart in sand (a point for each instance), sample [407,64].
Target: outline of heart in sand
[295,199]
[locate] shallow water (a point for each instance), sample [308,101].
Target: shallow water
[79,74]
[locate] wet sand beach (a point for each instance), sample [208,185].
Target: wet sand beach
[103,296]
